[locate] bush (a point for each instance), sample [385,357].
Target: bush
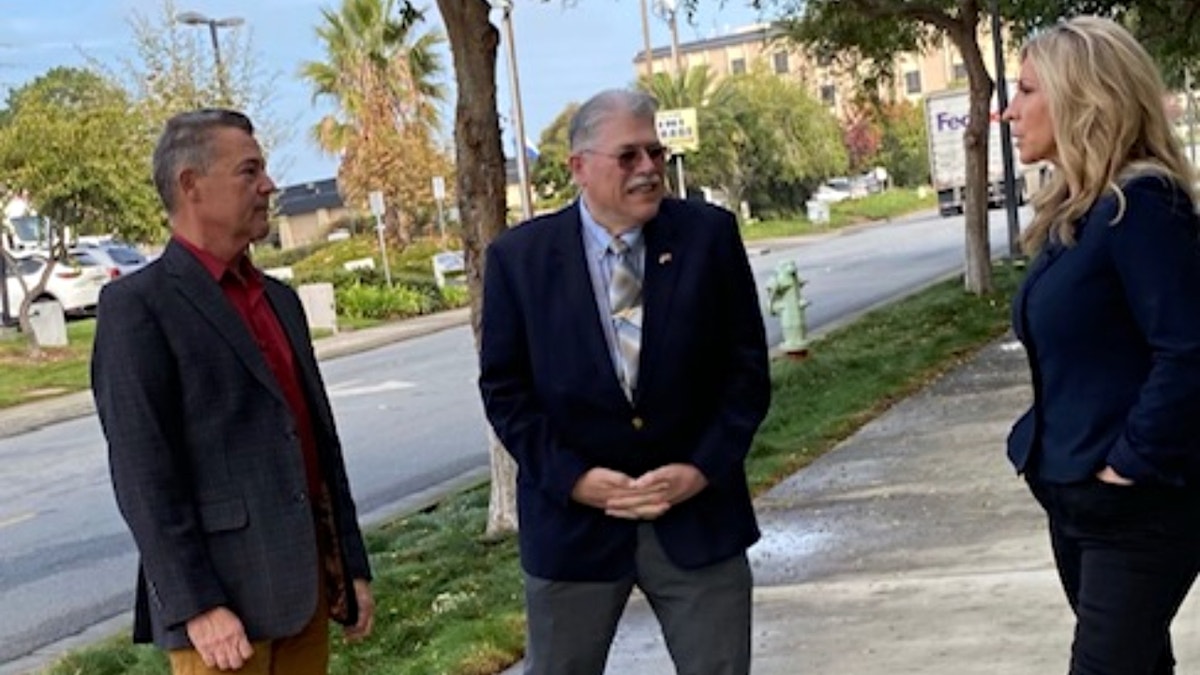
[361,301]
[267,257]
[455,296]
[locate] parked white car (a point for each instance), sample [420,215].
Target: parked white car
[117,258]
[829,194]
[75,283]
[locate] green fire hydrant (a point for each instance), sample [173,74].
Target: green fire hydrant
[787,303]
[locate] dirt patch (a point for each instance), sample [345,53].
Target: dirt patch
[22,357]
[45,391]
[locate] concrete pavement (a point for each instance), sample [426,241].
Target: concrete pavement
[911,548]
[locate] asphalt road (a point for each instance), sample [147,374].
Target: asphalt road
[411,425]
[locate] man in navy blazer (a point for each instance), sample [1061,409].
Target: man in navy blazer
[630,463]
[224,457]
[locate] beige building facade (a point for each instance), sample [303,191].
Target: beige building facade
[835,84]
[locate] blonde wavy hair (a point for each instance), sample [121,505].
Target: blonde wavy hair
[1106,100]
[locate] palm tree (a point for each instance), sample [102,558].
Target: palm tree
[385,80]
[715,101]
[372,59]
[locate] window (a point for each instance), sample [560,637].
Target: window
[912,82]
[781,62]
[960,72]
[828,94]
[737,66]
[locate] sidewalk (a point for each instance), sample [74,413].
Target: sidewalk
[24,418]
[912,548]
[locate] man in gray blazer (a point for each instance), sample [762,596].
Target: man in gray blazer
[224,457]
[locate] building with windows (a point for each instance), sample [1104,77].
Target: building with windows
[307,211]
[833,83]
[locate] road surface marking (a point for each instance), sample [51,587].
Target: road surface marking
[354,389]
[17,520]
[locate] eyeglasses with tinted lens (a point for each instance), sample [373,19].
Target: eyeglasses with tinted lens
[628,158]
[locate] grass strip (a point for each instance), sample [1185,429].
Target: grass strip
[884,206]
[57,371]
[450,602]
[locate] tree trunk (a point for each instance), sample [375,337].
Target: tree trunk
[474,42]
[978,275]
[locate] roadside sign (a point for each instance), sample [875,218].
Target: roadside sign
[375,199]
[439,187]
[677,129]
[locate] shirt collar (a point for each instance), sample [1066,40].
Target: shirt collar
[597,238]
[241,268]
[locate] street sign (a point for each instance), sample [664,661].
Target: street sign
[439,188]
[677,129]
[375,199]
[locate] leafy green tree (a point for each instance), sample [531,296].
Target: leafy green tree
[713,99]
[71,142]
[172,70]
[785,143]
[903,144]
[868,35]
[384,79]
[1169,29]
[550,175]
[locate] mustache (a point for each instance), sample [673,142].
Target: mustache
[644,180]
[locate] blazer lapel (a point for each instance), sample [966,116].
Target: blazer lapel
[658,289]
[197,287]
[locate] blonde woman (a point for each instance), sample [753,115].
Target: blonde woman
[1110,317]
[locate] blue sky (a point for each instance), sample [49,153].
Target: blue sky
[566,50]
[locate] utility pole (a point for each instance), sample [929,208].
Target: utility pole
[673,21]
[506,6]
[648,53]
[1006,149]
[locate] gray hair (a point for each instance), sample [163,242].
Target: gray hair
[186,142]
[602,106]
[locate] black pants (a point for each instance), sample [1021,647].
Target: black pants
[1126,557]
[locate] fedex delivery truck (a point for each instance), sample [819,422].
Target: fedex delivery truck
[946,116]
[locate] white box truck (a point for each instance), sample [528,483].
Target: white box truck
[946,116]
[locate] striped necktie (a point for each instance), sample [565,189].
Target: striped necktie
[625,299]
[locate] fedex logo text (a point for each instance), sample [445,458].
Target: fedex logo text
[951,122]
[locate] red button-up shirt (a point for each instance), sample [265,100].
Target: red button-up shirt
[243,286]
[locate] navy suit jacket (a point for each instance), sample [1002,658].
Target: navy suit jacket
[1112,330]
[552,395]
[205,460]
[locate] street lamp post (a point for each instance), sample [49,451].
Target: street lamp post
[1006,150]
[198,19]
[649,54]
[669,10]
[506,7]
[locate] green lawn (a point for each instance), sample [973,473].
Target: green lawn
[883,206]
[449,602]
[58,370]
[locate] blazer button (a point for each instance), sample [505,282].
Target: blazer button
[300,497]
[638,423]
